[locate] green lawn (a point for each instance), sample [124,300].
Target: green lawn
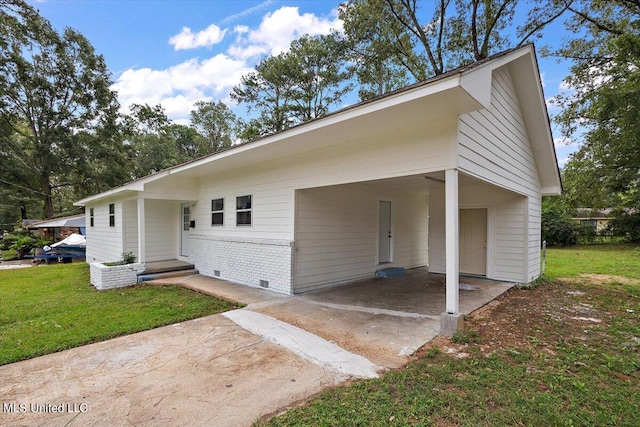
[50,308]
[610,259]
[562,353]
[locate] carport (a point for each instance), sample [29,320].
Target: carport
[348,232]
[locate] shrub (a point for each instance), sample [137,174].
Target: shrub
[558,229]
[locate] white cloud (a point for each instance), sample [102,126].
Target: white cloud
[178,87]
[247,12]
[208,37]
[278,29]
[563,142]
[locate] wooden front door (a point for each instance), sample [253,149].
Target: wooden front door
[473,241]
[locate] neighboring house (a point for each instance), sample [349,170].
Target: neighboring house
[447,173]
[596,219]
[57,229]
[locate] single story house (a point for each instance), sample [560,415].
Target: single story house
[60,228]
[446,173]
[596,219]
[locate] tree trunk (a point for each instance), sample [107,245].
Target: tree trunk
[45,185]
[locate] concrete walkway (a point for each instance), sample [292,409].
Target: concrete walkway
[232,368]
[204,372]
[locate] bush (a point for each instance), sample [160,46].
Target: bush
[558,229]
[625,225]
[22,242]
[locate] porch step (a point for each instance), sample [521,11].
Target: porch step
[166,266]
[145,277]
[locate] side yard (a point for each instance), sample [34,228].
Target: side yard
[52,308]
[564,352]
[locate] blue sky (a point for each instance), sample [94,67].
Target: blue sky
[178,52]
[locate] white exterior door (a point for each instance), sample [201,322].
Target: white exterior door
[473,241]
[184,229]
[384,232]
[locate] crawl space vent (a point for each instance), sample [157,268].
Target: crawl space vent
[216,273]
[264,283]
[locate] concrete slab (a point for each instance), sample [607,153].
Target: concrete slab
[304,344]
[224,290]
[202,372]
[382,319]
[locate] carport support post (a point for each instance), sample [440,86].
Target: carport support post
[141,231]
[451,319]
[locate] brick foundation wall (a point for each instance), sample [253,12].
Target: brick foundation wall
[249,262]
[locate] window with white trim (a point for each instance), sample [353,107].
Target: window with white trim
[91,217]
[112,215]
[243,210]
[217,212]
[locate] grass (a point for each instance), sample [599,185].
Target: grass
[611,259]
[562,353]
[51,308]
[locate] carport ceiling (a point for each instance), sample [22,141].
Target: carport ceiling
[422,183]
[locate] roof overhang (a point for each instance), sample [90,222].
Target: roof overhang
[441,98]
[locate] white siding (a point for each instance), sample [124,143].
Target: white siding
[162,227]
[493,143]
[337,233]
[273,184]
[535,237]
[494,146]
[130,216]
[505,232]
[104,243]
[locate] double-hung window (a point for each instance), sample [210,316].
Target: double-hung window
[112,215]
[243,210]
[91,217]
[217,212]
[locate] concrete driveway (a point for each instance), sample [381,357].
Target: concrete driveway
[232,368]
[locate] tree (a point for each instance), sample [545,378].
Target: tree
[603,109]
[370,34]
[52,86]
[189,143]
[317,67]
[457,32]
[267,90]
[296,86]
[152,147]
[216,123]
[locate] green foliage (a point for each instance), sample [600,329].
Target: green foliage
[296,86]
[51,85]
[157,143]
[22,242]
[603,111]
[217,124]
[466,336]
[389,34]
[558,229]
[128,258]
[370,32]
[626,225]
[51,308]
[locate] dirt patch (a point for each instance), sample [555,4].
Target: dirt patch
[536,319]
[595,279]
